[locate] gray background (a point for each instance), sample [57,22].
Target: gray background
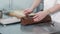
[16,4]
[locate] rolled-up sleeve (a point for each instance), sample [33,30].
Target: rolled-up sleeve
[58,2]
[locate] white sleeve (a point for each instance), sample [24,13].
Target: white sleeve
[58,2]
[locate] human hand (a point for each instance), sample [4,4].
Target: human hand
[28,11]
[39,16]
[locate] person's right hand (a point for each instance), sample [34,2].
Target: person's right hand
[28,11]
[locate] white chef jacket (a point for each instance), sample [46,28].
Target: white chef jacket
[50,3]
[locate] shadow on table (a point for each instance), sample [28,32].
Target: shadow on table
[37,28]
[56,32]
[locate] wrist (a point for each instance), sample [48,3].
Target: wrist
[47,12]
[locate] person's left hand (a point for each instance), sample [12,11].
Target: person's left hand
[39,16]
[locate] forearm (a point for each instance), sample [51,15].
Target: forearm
[35,4]
[53,9]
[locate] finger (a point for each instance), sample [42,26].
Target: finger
[26,12]
[35,16]
[37,19]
